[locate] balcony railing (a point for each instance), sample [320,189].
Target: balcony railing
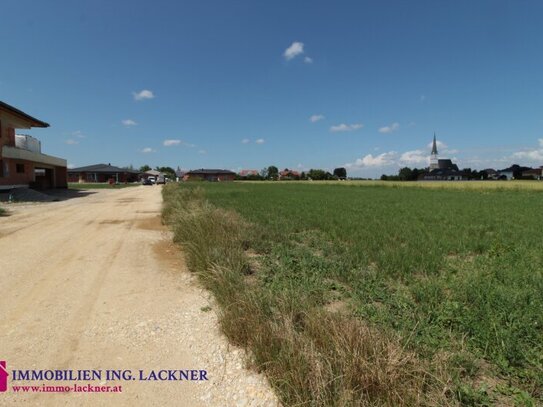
[28,143]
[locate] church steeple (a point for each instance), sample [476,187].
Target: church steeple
[434,146]
[434,161]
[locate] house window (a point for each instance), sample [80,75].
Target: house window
[20,168]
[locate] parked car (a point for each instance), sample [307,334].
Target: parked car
[161,179]
[146,182]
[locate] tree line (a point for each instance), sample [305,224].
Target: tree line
[413,174]
[272,173]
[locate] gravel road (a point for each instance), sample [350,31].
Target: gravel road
[95,283]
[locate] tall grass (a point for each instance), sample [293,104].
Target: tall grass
[310,355]
[443,287]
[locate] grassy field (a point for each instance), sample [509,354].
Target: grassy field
[77,185]
[469,185]
[364,294]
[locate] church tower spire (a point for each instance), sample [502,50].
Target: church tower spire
[434,146]
[434,161]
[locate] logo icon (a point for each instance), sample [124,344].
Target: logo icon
[3,376]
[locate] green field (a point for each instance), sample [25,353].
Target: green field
[392,296]
[532,185]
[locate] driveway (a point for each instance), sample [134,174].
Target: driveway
[94,283]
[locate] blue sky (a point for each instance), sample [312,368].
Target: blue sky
[234,84]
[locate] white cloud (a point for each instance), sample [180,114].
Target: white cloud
[308,60]
[170,143]
[260,141]
[129,122]
[78,134]
[143,94]
[346,127]
[316,117]
[148,150]
[202,152]
[532,156]
[71,142]
[300,165]
[391,158]
[177,142]
[414,157]
[381,160]
[540,142]
[70,166]
[389,129]
[245,141]
[294,50]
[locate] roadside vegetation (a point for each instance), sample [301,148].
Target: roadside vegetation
[374,295]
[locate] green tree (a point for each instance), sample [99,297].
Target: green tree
[144,168]
[416,173]
[340,172]
[168,171]
[405,174]
[273,172]
[385,177]
[317,175]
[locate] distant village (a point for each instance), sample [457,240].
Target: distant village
[445,170]
[23,165]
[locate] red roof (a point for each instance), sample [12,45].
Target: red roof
[244,173]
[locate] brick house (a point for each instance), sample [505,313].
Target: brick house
[22,163]
[289,174]
[209,175]
[102,173]
[534,173]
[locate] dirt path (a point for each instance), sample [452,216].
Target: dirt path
[94,283]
